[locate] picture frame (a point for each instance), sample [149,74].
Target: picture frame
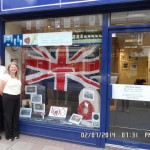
[36,98]
[129,57]
[133,67]
[25,112]
[125,65]
[39,107]
[88,94]
[136,58]
[75,118]
[14,60]
[123,57]
[8,40]
[26,103]
[58,112]
[30,89]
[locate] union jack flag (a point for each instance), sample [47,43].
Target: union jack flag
[59,66]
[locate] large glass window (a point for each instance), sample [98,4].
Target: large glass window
[60,84]
[129,118]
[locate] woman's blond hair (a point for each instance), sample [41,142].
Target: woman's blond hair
[13,63]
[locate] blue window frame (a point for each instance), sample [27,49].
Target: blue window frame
[119,29]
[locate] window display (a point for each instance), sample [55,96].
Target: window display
[60,82]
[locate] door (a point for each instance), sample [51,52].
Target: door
[129,114]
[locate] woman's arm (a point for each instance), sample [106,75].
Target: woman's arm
[2,85]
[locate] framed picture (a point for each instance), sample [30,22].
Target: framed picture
[123,57]
[39,107]
[136,58]
[30,89]
[36,98]
[75,118]
[88,94]
[129,57]
[133,67]
[26,103]
[14,60]
[58,112]
[25,112]
[125,65]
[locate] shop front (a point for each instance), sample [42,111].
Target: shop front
[130,96]
[79,64]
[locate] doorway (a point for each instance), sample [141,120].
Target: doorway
[130,66]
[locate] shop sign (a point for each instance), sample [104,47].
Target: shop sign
[13,40]
[131,92]
[58,112]
[39,39]
[9,5]
[55,39]
[30,39]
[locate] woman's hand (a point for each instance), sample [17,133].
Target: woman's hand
[2,85]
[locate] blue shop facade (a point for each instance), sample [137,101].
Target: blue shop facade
[84,66]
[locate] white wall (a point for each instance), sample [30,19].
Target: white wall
[11,28]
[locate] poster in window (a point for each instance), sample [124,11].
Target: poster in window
[38,107]
[30,89]
[88,95]
[75,118]
[36,98]
[25,112]
[58,112]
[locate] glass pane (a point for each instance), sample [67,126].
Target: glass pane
[130,17]
[129,118]
[61,84]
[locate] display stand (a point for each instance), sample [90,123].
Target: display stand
[92,96]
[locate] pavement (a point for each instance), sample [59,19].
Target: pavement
[28,142]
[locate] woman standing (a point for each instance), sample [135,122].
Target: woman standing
[2,73]
[11,101]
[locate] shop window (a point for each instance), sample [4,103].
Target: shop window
[58,80]
[130,17]
[130,109]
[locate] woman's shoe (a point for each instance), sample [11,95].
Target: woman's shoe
[10,139]
[16,137]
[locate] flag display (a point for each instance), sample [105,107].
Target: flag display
[63,67]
